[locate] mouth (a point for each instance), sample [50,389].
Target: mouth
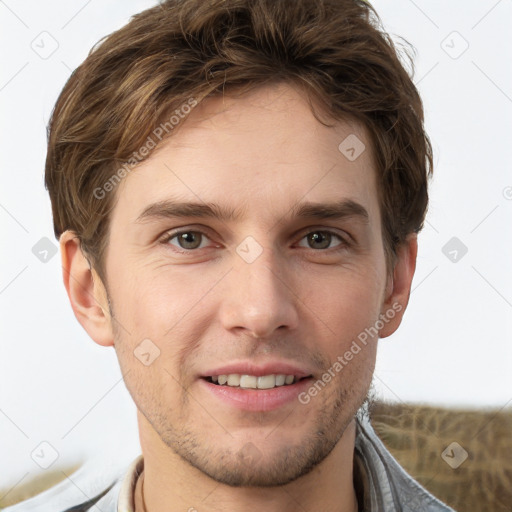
[257,393]
[255,386]
[235,380]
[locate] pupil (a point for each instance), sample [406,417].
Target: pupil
[190,240]
[320,240]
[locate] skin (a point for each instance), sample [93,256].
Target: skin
[302,301]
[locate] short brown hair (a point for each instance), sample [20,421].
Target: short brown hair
[133,80]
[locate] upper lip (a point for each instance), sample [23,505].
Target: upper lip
[258,370]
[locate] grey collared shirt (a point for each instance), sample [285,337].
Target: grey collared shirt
[381,484]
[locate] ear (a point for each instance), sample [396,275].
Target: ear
[86,292]
[398,287]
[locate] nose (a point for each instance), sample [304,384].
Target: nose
[259,298]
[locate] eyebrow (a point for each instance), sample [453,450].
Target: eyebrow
[337,210]
[172,209]
[169,209]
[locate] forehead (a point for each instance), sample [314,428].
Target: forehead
[261,153]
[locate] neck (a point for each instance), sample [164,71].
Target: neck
[172,484]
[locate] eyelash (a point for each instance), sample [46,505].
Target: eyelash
[344,242]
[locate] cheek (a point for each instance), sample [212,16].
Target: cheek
[158,301]
[167,317]
[344,303]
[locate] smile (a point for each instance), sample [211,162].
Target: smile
[252,381]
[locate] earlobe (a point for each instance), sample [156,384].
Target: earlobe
[85,290]
[398,288]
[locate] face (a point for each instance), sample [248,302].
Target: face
[248,244]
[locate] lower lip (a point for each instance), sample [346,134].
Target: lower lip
[257,399]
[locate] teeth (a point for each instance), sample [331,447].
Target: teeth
[234,380]
[247,381]
[266,382]
[252,381]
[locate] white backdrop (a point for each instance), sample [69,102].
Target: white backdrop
[454,346]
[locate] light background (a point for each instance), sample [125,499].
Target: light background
[454,346]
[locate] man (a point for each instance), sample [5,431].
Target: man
[237,187]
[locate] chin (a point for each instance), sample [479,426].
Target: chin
[251,467]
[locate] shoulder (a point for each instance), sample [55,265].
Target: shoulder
[97,483]
[390,486]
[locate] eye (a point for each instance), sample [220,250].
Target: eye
[187,240]
[321,240]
